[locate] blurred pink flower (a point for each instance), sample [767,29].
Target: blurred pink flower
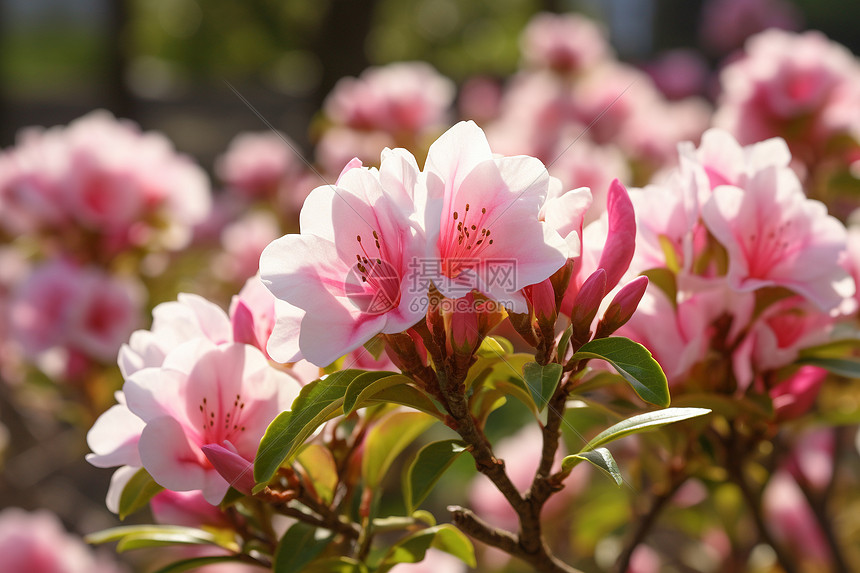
[78,309]
[36,542]
[400,97]
[565,43]
[256,165]
[242,242]
[802,87]
[792,521]
[102,176]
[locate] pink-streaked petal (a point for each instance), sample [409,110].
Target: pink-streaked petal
[456,153]
[169,458]
[621,238]
[325,338]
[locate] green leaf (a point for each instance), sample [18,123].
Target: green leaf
[407,395]
[368,384]
[634,363]
[386,440]
[336,565]
[137,492]
[426,468]
[300,545]
[563,343]
[139,536]
[195,562]
[413,548]
[494,347]
[599,458]
[642,423]
[542,381]
[317,402]
[840,366]
[321,469]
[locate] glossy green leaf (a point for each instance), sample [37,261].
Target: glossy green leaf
[387,439]
[137,492]
[300,545]
[367,385]
[162,539]
[542,381]
[336,565]
[425,469]
[317,402]
[634,363]
[494,347]
[195,562]
[409,396]
[321,468]
[599,458]
[563,343]
[840,366]
[190,535]
[413,548]
[642,423]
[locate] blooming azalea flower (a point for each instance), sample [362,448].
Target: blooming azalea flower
[775,236]
[353,271]
[483,212]
[226,398]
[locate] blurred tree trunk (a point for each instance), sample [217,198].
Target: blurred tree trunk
[120,99]
[340,42]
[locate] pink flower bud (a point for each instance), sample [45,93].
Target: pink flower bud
[226,460]
[622,307]
[621,237]
[541,299]
[586,303]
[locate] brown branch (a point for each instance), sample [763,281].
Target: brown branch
[349,530]
[474,526]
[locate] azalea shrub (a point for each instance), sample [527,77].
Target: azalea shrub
[586,321]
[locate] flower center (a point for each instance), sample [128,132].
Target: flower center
[375,284]
[219,425]
[467,239]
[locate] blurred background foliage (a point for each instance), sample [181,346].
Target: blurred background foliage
[164,63]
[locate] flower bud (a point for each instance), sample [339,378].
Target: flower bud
[238,471]
[585,305]
[622,307]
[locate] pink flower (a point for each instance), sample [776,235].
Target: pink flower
[352,271]
[726,24]
[679,73]
[793,522]
[174,323]
[565,43]
[798,86]
[258,164]
[483,213]
[37,543]
[242,242]
[103,176]
[225,397]
[400,97]
[775,236]
[794,397]
[80,309]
